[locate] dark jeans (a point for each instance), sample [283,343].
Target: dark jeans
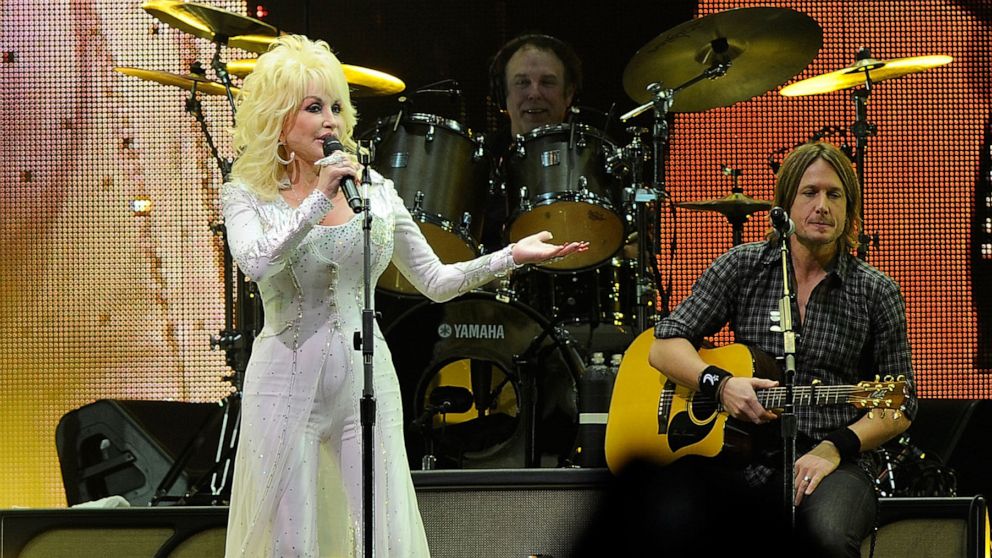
[704,507]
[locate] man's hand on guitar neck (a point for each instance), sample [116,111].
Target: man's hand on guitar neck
[739,398]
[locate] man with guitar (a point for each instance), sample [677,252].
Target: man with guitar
[851,326]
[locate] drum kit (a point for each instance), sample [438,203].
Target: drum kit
[510,345]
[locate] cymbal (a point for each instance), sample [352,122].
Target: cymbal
[213,24]
[364,82]
[186,82]
[854,74]
[764,46]
[736,205]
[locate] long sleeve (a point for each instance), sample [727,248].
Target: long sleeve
[259,246]
[417,262]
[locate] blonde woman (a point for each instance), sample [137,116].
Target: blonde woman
[297,485]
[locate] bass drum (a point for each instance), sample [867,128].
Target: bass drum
[441,171]
[483,354]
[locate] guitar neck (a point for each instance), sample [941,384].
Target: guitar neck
[775,398]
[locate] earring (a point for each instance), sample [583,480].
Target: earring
[292,155]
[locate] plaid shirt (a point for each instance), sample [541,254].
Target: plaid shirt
[854,328]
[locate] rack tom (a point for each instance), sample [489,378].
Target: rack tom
[558,180]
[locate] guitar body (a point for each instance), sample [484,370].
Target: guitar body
[653,418]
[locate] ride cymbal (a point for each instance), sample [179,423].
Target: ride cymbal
[763,48]
[854,74]
[365,82]
[213,24]
[186,82]
[735,205]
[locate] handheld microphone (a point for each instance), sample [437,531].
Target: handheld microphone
[783,225]
[331,144]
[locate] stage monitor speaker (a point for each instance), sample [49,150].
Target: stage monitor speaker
[161,532]
[931,528]
[507,512]
[128,448]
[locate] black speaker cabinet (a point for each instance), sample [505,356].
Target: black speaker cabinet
[128,448]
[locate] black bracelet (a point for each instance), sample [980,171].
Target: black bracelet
[846,441]
[711,378]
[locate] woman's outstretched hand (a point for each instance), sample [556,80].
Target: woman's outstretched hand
[535,249]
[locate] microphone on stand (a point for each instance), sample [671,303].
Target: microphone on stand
[781,222]
[331,145]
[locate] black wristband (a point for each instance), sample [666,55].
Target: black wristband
[846,441]
[711,378]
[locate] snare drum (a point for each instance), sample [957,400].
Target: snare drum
[442,173]
[557,180]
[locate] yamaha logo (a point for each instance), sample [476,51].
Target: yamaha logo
[471,331]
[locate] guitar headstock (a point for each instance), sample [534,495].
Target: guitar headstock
[882,393]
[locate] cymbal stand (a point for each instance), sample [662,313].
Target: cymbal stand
[220,70]
[862,129]
[736,220]
[235,339]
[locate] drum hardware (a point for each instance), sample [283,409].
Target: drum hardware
[824,132]
[736,207]
[443,400]
[865,72]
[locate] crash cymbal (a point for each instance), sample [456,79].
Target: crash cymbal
[735,205]
[213,24]
[854,75]
[203,85]
[764,47]
[365,82]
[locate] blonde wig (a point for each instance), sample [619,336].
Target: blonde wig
[790,176]
[272,94]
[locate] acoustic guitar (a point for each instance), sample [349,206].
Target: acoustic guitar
[653,418]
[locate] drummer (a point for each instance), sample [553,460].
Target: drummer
[534,80]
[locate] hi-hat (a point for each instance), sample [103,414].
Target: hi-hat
[365,82]
[763,48]
[854,75]
[214,24]
[187,82]
[734,206]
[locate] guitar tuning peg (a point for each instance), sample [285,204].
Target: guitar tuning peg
[877,378]
[897,415]
[817,382]
[871,414]
[889,378]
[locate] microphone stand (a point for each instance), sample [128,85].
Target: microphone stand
[788,417]
[364,342]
